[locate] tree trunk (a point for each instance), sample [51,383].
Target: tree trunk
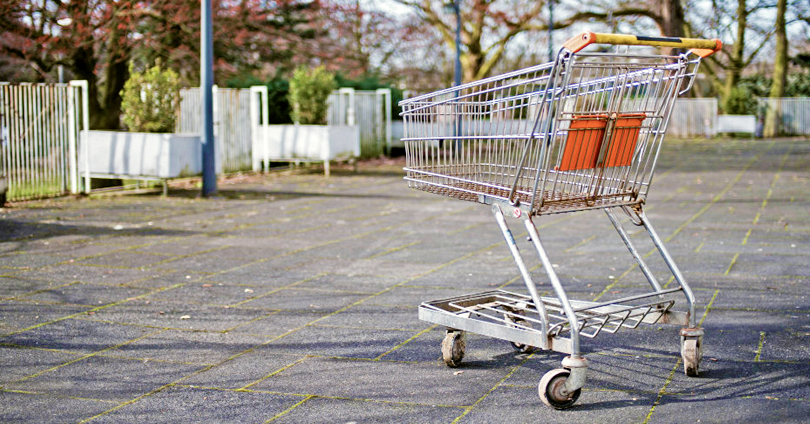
[116,75]
[672,22]
[736,61]
[83,65]
[104,106]
[780,66]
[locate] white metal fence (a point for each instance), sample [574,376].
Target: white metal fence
[42,125]
[693,118]
[793,114]
[236,125]
[39,128]
[699,118]
[232,124]
[370,110]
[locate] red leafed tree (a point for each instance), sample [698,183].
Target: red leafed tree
[250,36]
[91,38]
[96,40]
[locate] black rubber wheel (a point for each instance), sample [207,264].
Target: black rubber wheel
[551,387]
[522,348]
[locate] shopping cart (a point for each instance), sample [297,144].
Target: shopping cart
[582,132]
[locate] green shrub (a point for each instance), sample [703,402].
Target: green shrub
[278,105]
[740,101]
[150,100]
[309,91]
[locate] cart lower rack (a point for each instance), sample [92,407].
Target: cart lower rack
[582,132]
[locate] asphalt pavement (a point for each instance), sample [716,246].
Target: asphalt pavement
[292,298]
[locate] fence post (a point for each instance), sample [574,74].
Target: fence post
[350,109]
[83,147]
[386,96]
[73,169]
[259,115]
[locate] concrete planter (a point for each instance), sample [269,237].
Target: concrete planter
[156,155]
[142,156]
[311,143]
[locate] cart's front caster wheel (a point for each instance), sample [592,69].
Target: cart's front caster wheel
[551,389]
[453,347]
[522,348]
[691,354]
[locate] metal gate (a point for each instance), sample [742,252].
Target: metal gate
[370,110]
[40,125]
[693,118]
[232,124]
[793,114]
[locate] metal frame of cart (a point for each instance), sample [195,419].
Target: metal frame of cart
[582,132]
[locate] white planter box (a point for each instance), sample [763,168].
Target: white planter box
[310,143]
[142,156]
[155,155]
[736,124]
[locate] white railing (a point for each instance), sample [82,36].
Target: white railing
[793,114]
[40,125]
[236,130]
[43,126]
[232,124]
[693,118]
[370,111]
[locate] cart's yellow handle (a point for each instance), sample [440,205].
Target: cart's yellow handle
[700,47]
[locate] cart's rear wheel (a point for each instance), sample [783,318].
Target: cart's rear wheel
[551,389]
[522,348]
[453,347]
[691,354]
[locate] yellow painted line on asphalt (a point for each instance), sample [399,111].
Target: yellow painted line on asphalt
[719,195]
[179,257]
[56,395]
[330,242]
[304,395]
[669,379]
[759,346]
[768,196]
[580,244]
[733,262]
[278,371]
[278,289]
[47,289]
[616,280]
[468,227]
[662,391]
[697,215]
[273,339]
[78,314]
[393,249]
[414,337]
[288,410]
[83,357]
[708,308]
[514,369]
[748,234]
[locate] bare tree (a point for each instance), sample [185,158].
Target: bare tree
[780,66]
[363,40]
[745,31]
[487,28]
